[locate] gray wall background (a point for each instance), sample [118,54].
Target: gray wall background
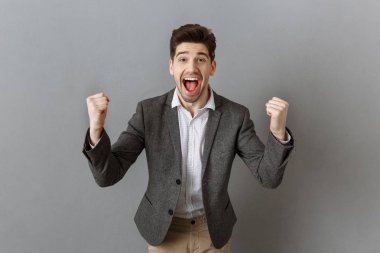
[322,56]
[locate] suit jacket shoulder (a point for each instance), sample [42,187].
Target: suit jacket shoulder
[163,99]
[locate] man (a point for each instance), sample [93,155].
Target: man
[191,136]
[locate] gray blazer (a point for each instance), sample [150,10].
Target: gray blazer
[154,126]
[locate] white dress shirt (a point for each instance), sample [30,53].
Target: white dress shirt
[192,133]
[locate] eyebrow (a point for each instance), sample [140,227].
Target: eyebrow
[186,52]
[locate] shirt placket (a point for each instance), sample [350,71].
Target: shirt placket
[190,165]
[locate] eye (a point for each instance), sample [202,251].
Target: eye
[202,60]
[182,59]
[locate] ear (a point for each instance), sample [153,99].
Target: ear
[213,67]
[171,67]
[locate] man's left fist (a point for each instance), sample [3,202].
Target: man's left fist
[277,110]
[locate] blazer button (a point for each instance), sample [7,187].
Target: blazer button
[178,181]
[170,212]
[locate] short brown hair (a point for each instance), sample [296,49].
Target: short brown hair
[193,33]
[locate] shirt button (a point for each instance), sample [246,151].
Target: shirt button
[170,212]
[178,181]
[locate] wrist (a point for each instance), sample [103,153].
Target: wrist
[95,134]
[280,135]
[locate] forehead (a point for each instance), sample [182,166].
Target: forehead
[191,48]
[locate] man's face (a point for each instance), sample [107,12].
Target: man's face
[191,67]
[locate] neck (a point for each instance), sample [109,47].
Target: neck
[200,103]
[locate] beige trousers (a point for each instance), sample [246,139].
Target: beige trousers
[188,236]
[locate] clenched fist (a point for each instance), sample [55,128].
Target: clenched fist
[97,106]
[277,110]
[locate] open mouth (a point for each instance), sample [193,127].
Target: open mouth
[190,83]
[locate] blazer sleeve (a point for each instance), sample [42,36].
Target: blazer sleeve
[108,163]
[267,163]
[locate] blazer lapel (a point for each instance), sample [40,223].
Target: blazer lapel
[171,117]
[211,128]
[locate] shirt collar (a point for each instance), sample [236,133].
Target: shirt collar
[210,102]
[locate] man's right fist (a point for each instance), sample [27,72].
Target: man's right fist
[97,106]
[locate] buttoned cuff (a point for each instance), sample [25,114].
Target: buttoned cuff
[89,142]
[288,138]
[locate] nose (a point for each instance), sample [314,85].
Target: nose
[192,65]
